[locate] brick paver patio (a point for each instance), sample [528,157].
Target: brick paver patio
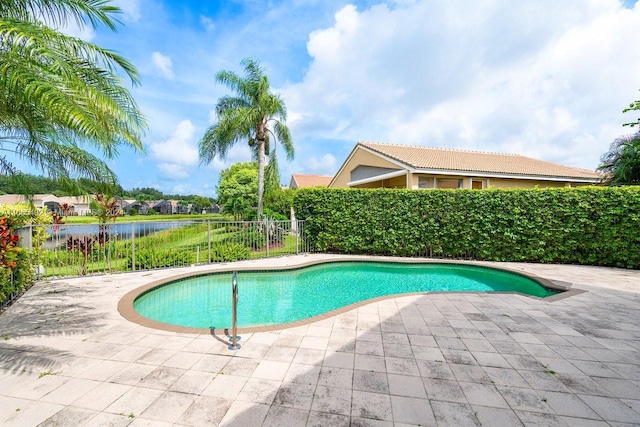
[68,358]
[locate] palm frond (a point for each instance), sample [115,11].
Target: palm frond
[60,12]
[283,135]
[64,161]
[58,75]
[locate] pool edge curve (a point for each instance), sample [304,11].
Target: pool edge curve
[127,310]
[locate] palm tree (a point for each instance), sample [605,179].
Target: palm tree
[254,115]
[621,164]
[59,94]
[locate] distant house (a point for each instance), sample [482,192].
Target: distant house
[78,205]
[121,204]
[375,165]
[139,206]
[164,207]
[299,180]
[183,208]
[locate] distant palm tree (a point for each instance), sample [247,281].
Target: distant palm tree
[59,93]
[254,115]
[621,164]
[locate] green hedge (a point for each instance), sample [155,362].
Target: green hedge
[588,225]
[16,280]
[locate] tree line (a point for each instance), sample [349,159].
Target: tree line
[45,185]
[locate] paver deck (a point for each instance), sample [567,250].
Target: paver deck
[68,358]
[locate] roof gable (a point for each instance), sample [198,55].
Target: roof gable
[307,180]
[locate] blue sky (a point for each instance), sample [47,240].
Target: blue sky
[542,78]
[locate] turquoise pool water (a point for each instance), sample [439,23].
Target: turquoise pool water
[267,298]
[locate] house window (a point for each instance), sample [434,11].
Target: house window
[449,183]
[425,182]
[477,185]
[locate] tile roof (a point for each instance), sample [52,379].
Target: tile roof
[11,199]
[476,161]
[306,181]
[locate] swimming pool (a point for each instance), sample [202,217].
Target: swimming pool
[284,296]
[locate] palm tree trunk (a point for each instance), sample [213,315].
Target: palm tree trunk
[260,176]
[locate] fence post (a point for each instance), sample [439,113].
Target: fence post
[297,236]
[266,233]
[133,246]
[208,241]
[25,233]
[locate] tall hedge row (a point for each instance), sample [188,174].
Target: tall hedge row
[588,225]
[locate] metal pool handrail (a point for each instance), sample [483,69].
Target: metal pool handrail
[234,311]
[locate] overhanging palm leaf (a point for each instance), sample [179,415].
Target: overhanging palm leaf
[57,91]
[60,12]
[254,115]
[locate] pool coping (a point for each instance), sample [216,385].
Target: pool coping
[126,309]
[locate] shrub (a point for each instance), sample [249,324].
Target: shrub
[8,243]
[587,225]
[230,228]
[84,245]
[23,273]
[6,284]
[279,203]
[54,258]
[16,280]
[266,213]
[272,229]
[116,249]
[24,214]
[147,259]
[250,237]
[230,252]
[276,216]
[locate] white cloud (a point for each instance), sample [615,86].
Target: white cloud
[238,153]
[130,9]
[325,165]
[163,63]
[542,78]
[173,171]
[207,23]
[180,149]
[85,32]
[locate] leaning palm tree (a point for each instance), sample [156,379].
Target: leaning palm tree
[60,94]
[254,115]
[621,164]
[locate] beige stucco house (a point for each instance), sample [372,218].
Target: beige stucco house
[375,165]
